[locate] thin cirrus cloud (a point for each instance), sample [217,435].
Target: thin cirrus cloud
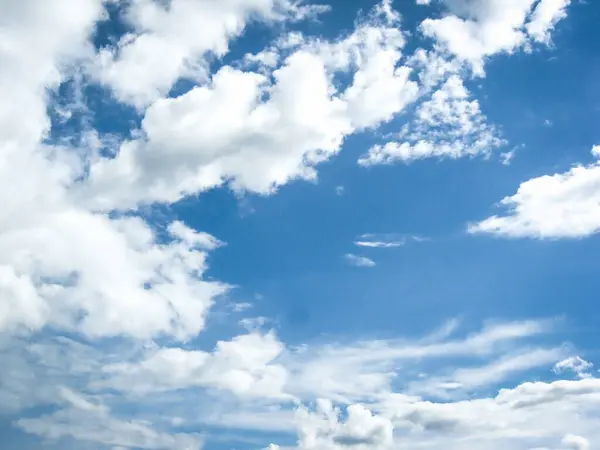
[374,240]
[359,261]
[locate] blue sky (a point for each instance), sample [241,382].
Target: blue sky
[272,224]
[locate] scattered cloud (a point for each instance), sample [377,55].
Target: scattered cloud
[285,120]
[563,205]
[476,30]
[382,240]
[447,125]
[359,261]
[545,16]
[575,364]
[507,157]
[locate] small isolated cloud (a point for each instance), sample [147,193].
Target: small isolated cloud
[339,190]
[253,323]
[507,157]
[359,261]
[240,307]
[562,205]
[574,364]
[373,240]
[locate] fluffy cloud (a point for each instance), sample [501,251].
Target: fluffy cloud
[475,30]
[323,429]
[368,394]
[74,270]
[284,122]
[563,205]
[575,364]
[448,124]
[244,366]
[86,421]
[544,17]
[169,43]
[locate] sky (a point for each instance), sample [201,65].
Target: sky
[292,225]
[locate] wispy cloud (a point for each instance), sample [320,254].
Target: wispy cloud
[375,240]
[575,364]
[359,261]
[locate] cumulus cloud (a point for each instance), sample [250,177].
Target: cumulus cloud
[244,366]
[576,442]
[562,205]
[253,381]
[475,30]
[284,120]
[544,18]
[324,429]
[575,364]
[169,43]
[447,125]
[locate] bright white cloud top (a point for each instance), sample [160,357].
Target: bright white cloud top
[104,308]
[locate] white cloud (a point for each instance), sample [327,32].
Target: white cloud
[447,125]
[507,157]
[545,16]
[365,370]
[477,29]
[285,121]
[575,364]
[205,152]
[81,266]
[530,415]
[171,43]
[361,430]
[85,420]
[469,379]
[379,244]
[576,442]
[244,366]
[208,135]
[563,205]
[374,379]
[376,240]
[359,261]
